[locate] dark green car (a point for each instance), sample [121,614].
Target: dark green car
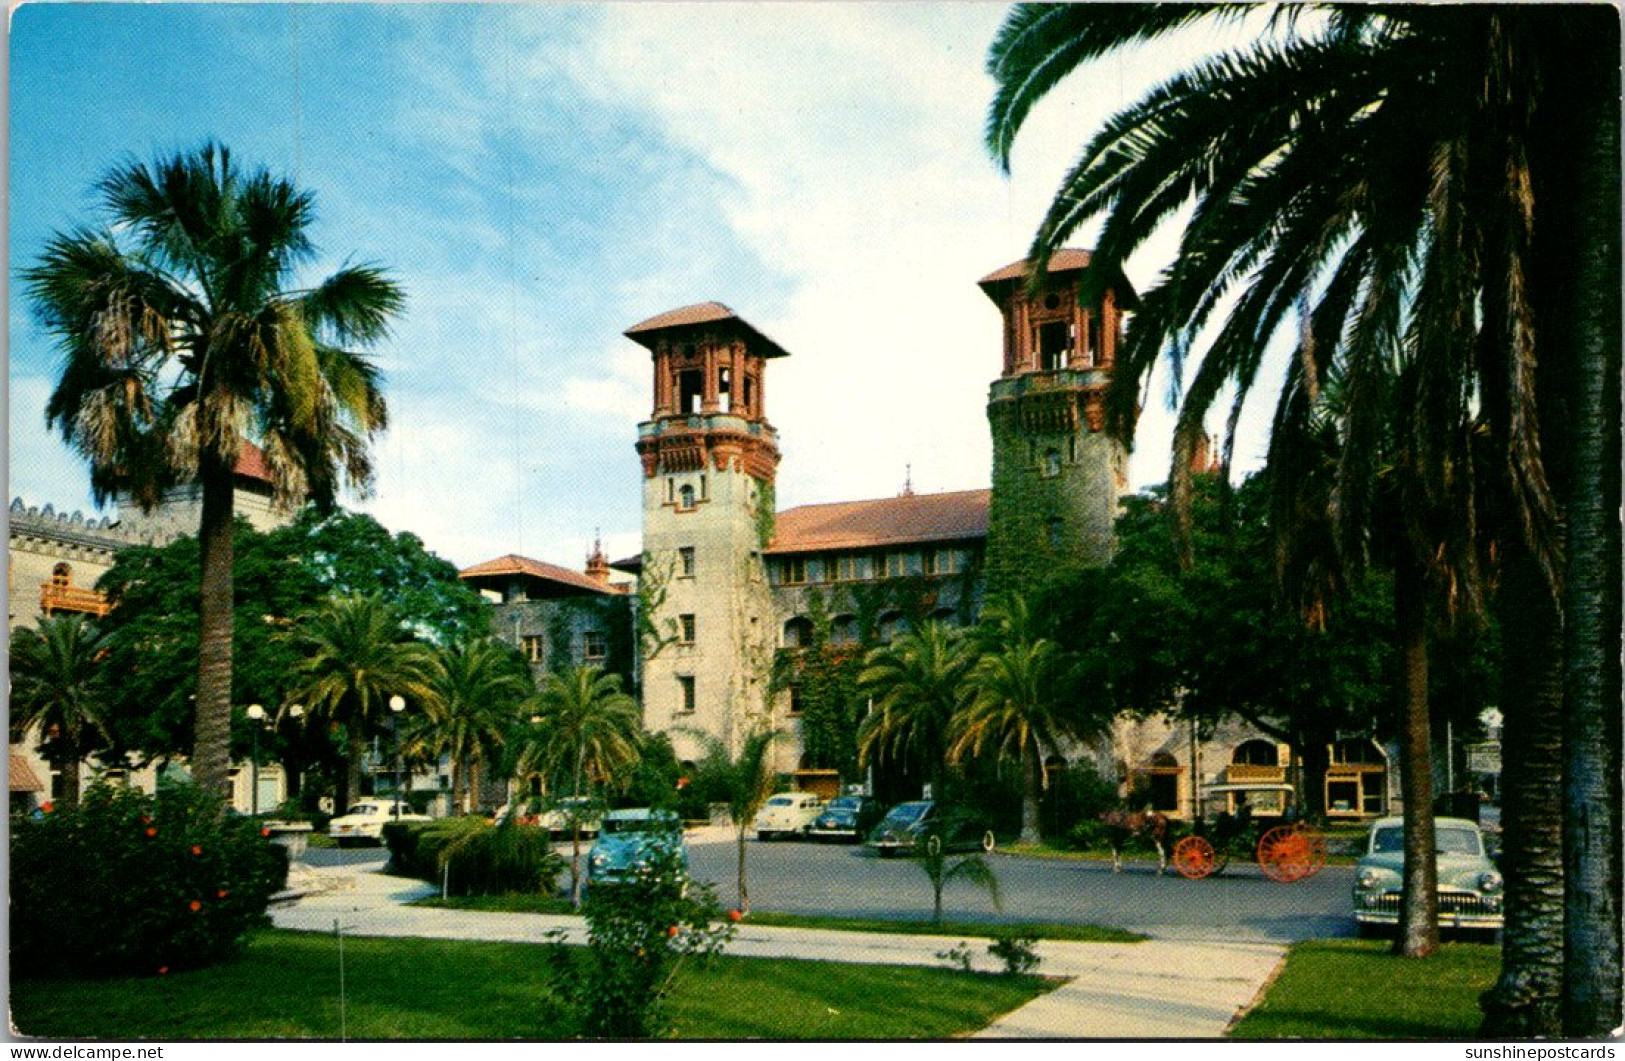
[909,827]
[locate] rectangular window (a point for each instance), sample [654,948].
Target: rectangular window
[686,629]
[815,569]
[854,568]
[685,690]
[794,571]
[795,699]
[891,565]
[685,561]
[594,644]
[534,646]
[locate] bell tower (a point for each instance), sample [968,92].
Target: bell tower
[709,460]
[1057,478]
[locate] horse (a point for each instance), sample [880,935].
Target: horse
[1123,825]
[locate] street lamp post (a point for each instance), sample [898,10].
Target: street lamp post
[397,704]
[256,715]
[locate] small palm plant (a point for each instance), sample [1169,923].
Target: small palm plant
[973,869]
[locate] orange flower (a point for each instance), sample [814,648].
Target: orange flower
[163,970]
[196,849]
[196,906]
[47,807]
[672,931]
[265,832]
[152,830]
[734,915]
[222,893]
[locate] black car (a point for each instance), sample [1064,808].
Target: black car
[909,827]
[847,818]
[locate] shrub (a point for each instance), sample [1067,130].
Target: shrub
[131,883]
[1076,794]
[640,932]
[1088,835]
[1018,953]
[475,857]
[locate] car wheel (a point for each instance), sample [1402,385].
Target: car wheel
[989,841]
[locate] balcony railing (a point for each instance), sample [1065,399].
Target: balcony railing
[58,598]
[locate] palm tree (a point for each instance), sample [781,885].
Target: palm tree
[1422,161]
[973,869]
[586,732]
[477,689]
[57,686]
[915,684]
[747,778]
[1010,702]
[355,656]
[185,336]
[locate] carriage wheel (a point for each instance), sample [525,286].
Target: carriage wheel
[1290,853]
[1194,858]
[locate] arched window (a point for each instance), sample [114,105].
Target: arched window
[945,616]
[1052,463]
[1358,751]
[62,575]
[844,630]
[1256,753]
[890,625]
[798,632]
[685,497]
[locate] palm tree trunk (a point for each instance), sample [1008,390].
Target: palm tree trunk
[70,769]
[1525,1000]
[211,726]
[1418,934]
[744,894]
[352,768]
[1030,833]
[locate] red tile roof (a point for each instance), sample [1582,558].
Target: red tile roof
[702,313]
[956,516]
[504,567]
[23,778]
[1065,260]
[251,463]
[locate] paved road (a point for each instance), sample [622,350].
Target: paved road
[1240,905]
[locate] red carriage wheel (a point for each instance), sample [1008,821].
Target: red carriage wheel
[1290,853]
[1194,858]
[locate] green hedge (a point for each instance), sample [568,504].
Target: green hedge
[131,883]
[483,859]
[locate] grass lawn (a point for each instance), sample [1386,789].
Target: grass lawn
[977,929]
[1356,989]
[502,904]
[286,986]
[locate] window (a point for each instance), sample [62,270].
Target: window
[1093,325]
[793,571]
[798,632]
[686,629]
[685,561]
[814,569]
[1052,463]
[854,568]
[690,390]
[534,647]
[844,630]
[594,644]
[61,575]
[896,565]
[685,690]
[749,404]
[891,624]
[795,699]
[725,389]
[1054,345]
[1256,753]
[685,498]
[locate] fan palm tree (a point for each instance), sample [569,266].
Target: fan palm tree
[585,732]
[1421,161]
[915,684]
[355,656]
[57,687]
[185,335]
[477,687]
[747,779]
[1010,703]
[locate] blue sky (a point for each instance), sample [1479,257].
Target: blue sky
[541,177]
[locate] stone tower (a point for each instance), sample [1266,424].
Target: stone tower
[1056,477]
[709,458]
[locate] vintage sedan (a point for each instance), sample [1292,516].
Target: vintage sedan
[846,818]
[630,840]
[909,828]
[364,821]
[1469,886]
[786,814]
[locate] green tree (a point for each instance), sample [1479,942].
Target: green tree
[745,779]
[183,331]
[477,687]
[59,686]
[1011,702]
[585,734]
[1430,162]
[916,683]
[354,655]
[972,869]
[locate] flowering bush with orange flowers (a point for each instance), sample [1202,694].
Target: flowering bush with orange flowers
[131,883]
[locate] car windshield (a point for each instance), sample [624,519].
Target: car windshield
[908,812]
[639,825]
[781,801]
[845,803]
[1446,841]
[361,809]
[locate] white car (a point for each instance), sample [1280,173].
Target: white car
[364,821]
[787,814]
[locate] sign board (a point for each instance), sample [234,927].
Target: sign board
[1484,758]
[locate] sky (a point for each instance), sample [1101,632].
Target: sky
[539,178]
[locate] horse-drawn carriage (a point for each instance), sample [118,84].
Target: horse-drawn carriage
[1249,821]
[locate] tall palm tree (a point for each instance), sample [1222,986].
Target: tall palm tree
[586,735]
[1010,702]
[748,778]
[355,656]
[57,687]
[477,689]
[185,335]
[916,683]
[1422,160]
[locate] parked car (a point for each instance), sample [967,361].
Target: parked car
[628,839]
[848,818]
[1469,885]
[561,818]
[786,814]
[909,826]
[365,818]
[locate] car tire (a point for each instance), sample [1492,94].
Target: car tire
[989,841]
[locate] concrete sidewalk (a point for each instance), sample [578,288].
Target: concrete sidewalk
[1158,989]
